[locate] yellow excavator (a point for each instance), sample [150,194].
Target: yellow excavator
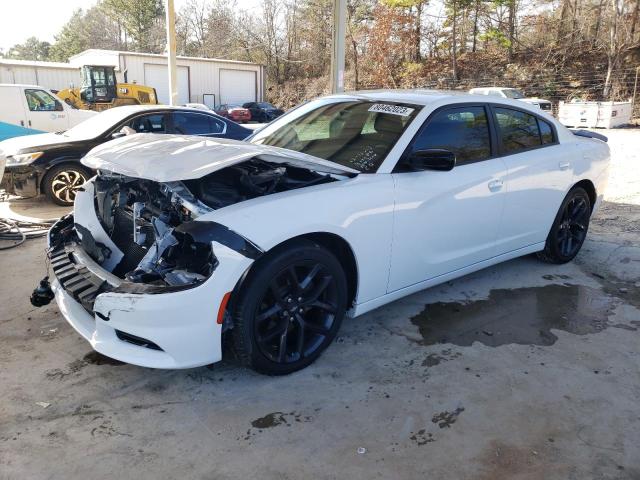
[99,91]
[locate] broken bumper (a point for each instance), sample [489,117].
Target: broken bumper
[21,181]
[177,329]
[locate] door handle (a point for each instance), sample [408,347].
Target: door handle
[495,185]
[564,165]
[22,123]
[29,122]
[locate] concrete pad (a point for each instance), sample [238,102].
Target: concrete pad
[384,401]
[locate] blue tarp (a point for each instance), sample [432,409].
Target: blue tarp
[8,130]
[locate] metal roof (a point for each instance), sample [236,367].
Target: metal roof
[157,55]
[33,63]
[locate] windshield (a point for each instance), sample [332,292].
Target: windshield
[354,133]
[513,93]
[98,124]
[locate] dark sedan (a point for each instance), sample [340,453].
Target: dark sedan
[262,112]
[50,163]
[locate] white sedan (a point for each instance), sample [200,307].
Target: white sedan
[342,205]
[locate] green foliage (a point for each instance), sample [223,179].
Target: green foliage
[31,49]
[71,40]
[496,35]
[138,17]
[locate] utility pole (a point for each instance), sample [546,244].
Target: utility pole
[171,53]
[338,44]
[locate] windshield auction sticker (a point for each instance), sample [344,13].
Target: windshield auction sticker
[391,109]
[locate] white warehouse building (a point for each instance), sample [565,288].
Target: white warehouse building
[201,80]
[51,75]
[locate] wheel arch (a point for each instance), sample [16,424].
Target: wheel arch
[57,162]
[334,243]
[588,187]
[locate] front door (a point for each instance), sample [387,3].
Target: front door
[445,221]
[44,112]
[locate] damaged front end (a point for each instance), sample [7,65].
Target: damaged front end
[142,272]
[148,241]
[146,236]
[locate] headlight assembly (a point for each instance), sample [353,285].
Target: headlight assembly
[23,158]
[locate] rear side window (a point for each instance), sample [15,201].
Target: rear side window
[216,126]
[546,132]
[517,130]
[195,124]
[463,131]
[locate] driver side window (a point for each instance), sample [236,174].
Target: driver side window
[41,101]
[463,131]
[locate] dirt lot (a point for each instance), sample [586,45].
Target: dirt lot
[521,371]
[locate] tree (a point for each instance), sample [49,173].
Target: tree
[615,43]
[31,49]
[143,21]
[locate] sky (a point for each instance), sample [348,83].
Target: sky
[21,19]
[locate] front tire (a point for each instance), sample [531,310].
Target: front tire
[569,228]
[289,309]
[61,182]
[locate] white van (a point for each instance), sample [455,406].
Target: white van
[26,109]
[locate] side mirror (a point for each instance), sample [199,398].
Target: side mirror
[431,159]
[59,107]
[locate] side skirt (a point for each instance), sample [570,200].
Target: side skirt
[403,292]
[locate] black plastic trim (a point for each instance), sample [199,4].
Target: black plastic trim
[207,232]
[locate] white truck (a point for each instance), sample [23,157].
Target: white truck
[28,109]
[513,93]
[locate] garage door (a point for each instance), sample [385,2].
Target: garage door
[157,76]
[237,86]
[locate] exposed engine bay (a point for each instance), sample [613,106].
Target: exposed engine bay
[152,224]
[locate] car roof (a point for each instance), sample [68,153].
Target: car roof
[129,109]
[415,96]
[22,85]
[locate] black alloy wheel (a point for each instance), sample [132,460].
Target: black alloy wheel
[296,312]
[289,309]
[569,229]
[573,228]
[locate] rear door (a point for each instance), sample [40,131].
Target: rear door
[191,123]
[44,111]
[539,172]
[12,106]
[445,221]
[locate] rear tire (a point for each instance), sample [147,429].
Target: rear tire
[569,228]
[61,182]
[289,308]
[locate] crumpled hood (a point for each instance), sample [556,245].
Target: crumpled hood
[16,144]
[167,158]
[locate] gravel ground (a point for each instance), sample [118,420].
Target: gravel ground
[520,371]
